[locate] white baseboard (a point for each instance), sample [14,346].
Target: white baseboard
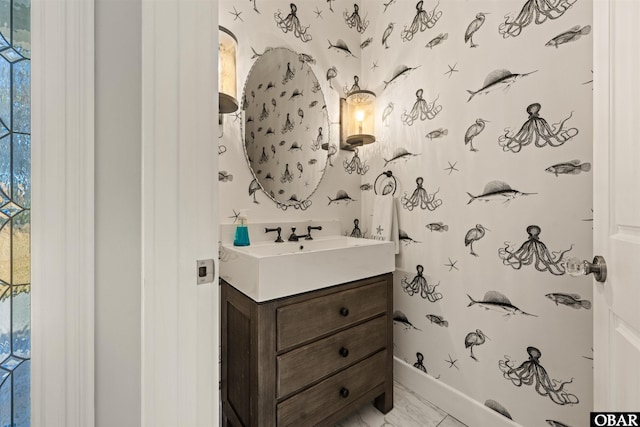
[450,400]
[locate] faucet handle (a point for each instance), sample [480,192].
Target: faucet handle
[309,228]
[278,229]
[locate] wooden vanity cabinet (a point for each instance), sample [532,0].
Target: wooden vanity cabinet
[308,359]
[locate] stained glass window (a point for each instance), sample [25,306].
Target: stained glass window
[15,200]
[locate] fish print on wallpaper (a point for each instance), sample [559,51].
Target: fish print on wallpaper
[497,191]
[570,35]
[536,130]
[437,40]
[496,301]
[473,131]
[420,198]
[436,134]
[291,23]
[419,285]
[473,235]
[531,372]
[224,176]
[421,21]
[473,339]
[341,46]
[421,109]
[400,71]
[570,300]
[492,404]
[341,197]
[353,20]
[554,423]
[401,318]
[387,4]
[498,79]
[437,226]
[399,154]
[534,251]
[404,238]
[473,27]
[533,11]
[573,167]
[437,320]
[366,43]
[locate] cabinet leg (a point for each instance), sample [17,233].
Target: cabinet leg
[384,402]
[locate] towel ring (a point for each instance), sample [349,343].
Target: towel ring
[389,184]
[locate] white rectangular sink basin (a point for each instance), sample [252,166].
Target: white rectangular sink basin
[266,271]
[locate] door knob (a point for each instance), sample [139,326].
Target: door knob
[574,267]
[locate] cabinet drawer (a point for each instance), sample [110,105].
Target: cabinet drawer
[304,321]
[311,406]
[313,361]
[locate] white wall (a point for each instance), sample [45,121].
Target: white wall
[560,205]
[118,212]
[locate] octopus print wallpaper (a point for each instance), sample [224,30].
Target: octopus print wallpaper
[327,55]
[484,121]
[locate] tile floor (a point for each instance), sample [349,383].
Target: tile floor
[409,410]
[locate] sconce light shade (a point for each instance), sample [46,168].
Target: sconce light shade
[227,82]
[357,118]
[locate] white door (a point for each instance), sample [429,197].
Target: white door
[617,204]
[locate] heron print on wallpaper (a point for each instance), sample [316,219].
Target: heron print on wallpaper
[531,372]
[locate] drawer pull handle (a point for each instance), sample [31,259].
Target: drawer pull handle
[344,312]
[344,392]
[344,352]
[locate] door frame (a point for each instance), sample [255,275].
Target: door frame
[62,215]
[179,135]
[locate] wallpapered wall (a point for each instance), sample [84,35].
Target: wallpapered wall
[484,120]
[489,139]
[263,24]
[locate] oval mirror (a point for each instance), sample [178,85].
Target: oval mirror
[286,123]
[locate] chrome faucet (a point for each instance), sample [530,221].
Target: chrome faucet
[278,229]
[309,228]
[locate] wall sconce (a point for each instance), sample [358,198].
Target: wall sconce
[227,82]
[357,117]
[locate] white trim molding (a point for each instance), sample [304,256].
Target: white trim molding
[179,212]
[464,408]
[62,216]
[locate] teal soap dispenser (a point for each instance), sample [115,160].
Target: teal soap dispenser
[242,232]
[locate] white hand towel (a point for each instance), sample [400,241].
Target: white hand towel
[385,220]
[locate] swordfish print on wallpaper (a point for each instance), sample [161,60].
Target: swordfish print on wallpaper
[482,111]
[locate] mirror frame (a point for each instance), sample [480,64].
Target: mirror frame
[306,202]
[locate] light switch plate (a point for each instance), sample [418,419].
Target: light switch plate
[205,270]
